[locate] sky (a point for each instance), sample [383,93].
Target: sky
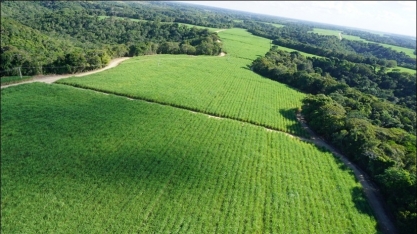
[397,17]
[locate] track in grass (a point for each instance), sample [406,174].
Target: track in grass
[77,161]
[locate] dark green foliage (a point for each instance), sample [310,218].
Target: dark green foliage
[393,86]
[78,40]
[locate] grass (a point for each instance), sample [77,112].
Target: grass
[101,17]
[277,25]
[240,43]
[222,86]
[303,53]
[407,51]
[273,24]
[76,161]
[5,80]
[402,69]
[200,27]
[325,32]
[207,84]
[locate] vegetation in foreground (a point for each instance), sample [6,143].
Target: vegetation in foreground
[132,166]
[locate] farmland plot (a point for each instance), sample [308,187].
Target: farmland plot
[222,86]
[76,161]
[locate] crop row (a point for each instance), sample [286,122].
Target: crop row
[132,166]
[220,86]
[210,85]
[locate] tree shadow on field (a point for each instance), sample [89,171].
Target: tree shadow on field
[342,166]
[115,144]
[363,207]
[359,199]
[247,67]
[290,114]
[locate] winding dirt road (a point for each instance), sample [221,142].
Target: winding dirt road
[52,78]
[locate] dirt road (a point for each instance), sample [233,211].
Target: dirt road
[52,78]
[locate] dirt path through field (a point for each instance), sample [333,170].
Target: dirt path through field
[52,78]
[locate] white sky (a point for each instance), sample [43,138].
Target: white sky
[384,16]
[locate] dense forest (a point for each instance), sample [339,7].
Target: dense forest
[37,46]
[355,103]
[378,135]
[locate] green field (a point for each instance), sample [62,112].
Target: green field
[303,53]
[239,42]
[277,25]
[242,44]
[407,51]
[13,79]
[273,24]
[101,17]
[223,86]
[402,69]
[328,32]
[200,27]
[77,161]
[207,84]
